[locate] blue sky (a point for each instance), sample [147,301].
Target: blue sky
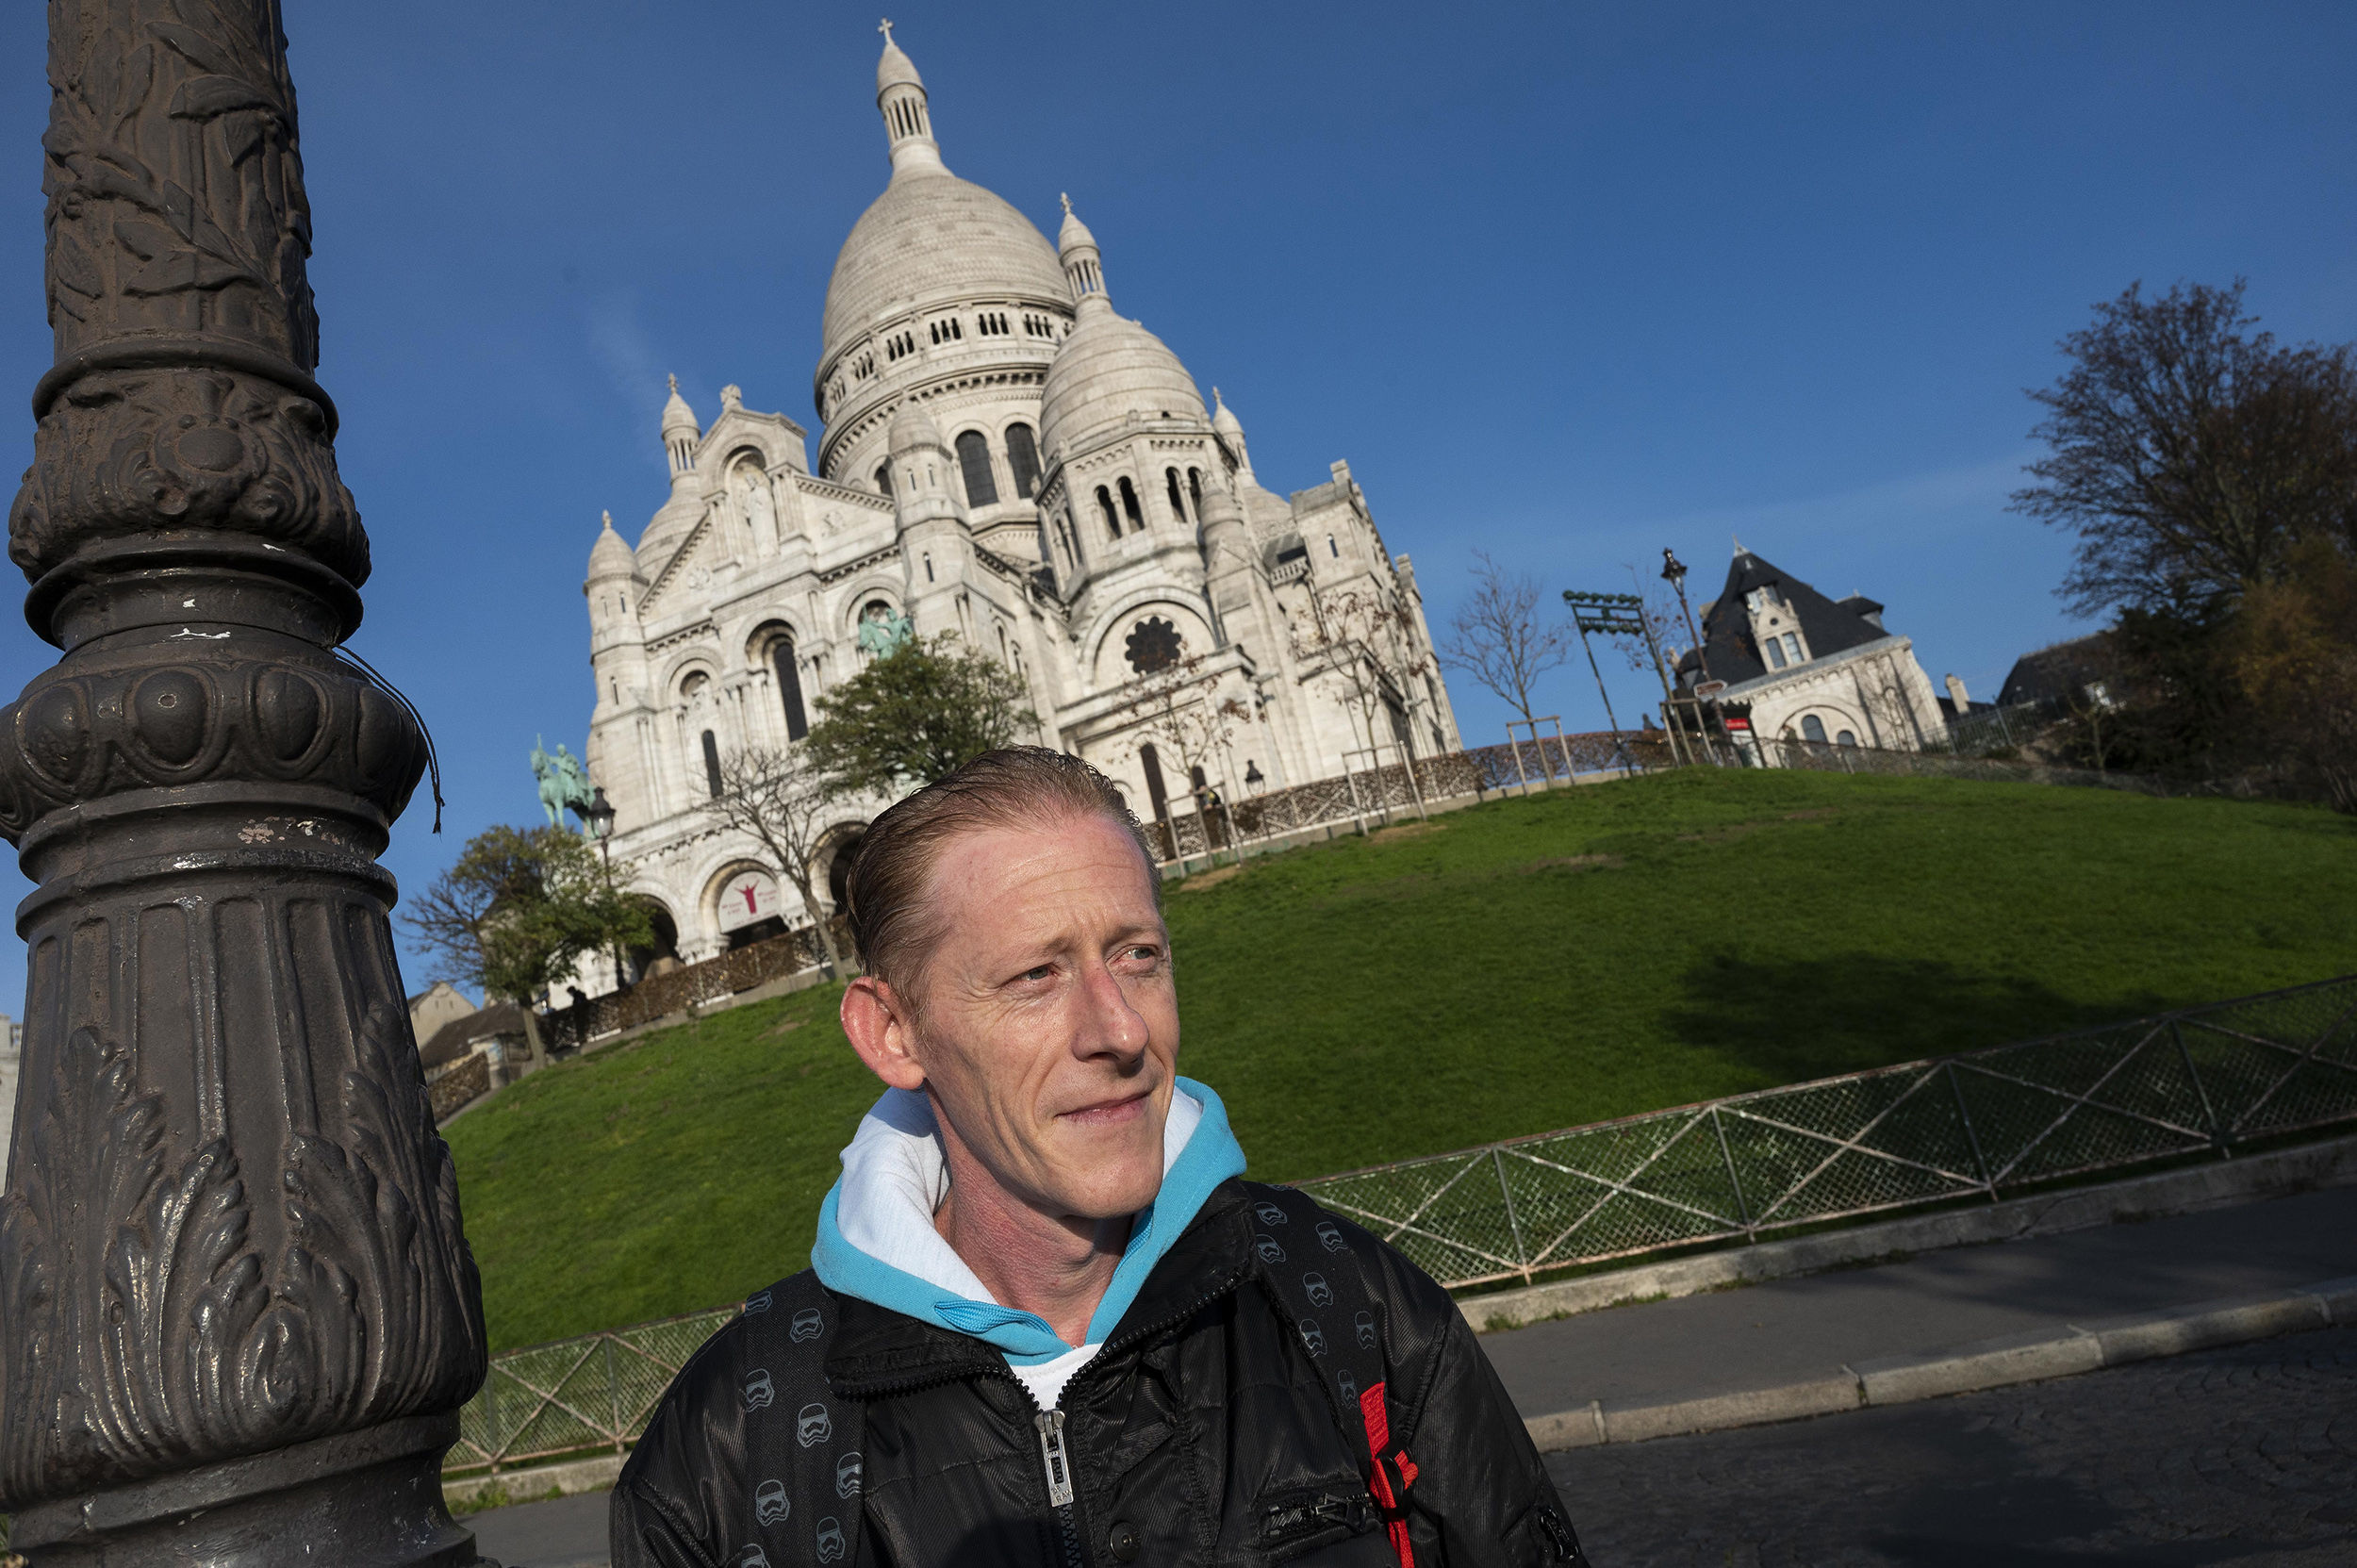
[1565,282]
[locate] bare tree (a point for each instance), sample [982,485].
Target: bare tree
[778,795]
[1179,707]
[1499,638]
[2189,454]
[1366,640]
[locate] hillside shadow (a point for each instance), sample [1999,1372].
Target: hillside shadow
[1785,1021]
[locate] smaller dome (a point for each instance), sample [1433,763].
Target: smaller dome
[912,427]
[1073,231]
[610,557]
[896,69]
[1222,421]
[1107,369]
[676,414]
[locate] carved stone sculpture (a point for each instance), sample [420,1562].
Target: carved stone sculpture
[238,1315]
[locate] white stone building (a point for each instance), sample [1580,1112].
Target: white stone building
[1804,666]
[1004,457]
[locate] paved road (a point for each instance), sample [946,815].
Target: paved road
[565,1532]
[2244,1456]
[1792,1330]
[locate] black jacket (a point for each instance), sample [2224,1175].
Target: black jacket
[1205,1432]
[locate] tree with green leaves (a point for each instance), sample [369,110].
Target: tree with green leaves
[516,913]
[916,715]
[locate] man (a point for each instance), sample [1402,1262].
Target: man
[1047,1323]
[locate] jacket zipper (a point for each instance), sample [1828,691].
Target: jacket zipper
[1058,1467]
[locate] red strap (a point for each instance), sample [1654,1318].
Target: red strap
[1392,1473]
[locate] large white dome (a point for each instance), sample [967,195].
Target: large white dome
[932,236]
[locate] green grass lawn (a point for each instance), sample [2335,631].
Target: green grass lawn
[1515,967]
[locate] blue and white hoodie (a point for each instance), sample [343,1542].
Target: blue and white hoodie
[877,1240]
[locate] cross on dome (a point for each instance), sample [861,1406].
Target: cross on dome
[886,27]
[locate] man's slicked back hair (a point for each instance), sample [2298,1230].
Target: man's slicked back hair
[1014,786]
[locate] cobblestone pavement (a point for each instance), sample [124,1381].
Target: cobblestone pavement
[2244,1456]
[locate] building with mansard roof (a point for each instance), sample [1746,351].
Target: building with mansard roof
[1804,666]
[1005,456]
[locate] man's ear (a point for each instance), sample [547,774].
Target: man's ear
[881,1030]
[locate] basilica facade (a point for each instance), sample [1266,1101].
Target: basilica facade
[1007,458]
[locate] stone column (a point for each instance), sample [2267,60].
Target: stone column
[237,1316]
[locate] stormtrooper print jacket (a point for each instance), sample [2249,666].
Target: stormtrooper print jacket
[1285,1389]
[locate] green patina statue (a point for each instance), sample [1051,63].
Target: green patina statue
[564,782]
[881,628]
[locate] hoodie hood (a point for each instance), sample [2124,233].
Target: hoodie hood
[877,1240]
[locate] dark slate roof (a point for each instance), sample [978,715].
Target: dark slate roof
[2054,673]
[1829,628]
[456,1037]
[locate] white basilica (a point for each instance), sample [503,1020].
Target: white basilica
[1007,458]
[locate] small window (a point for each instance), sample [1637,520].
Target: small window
[1845,738]
[1813,728]
[1178,506]
[712,763]
[981,487]
[1195,489]
[1105,504]
[1332,549]
[1023,457]
[929,566]
[1792,646]
[883,479]
[1130,507]
[1775,654]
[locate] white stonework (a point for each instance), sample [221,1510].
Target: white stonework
[1003,457]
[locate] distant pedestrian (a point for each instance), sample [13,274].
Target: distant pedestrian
[1047,1323]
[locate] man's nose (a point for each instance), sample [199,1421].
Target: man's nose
[1111,1026]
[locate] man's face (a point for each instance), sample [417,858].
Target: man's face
[1049,1025]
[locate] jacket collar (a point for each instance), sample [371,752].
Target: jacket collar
[878,1351]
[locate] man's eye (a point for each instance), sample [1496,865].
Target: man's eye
[1042,972]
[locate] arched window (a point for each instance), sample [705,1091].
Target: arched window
[929,566]
[1023,457]
[1130,507]
[1195,489]
[789,688]
[1178,506]
[982,489]
[1155,791]
[712,763]
[1105,504]
[1846,737]
[1813,727]
[883,479]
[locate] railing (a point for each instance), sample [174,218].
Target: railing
[1387,791]
[661,996]
[465,1082]
[1981,1124]
[1978,1125]
[576,1395]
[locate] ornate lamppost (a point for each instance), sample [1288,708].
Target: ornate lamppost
[238,1317]
[598,817]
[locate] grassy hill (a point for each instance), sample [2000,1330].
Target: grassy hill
[1517,966]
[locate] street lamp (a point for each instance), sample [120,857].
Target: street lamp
[241,1317]
[1674,574]
[598,817]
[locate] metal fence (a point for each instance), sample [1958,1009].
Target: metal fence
[662,995]
[576,1395]
[1981,1124]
